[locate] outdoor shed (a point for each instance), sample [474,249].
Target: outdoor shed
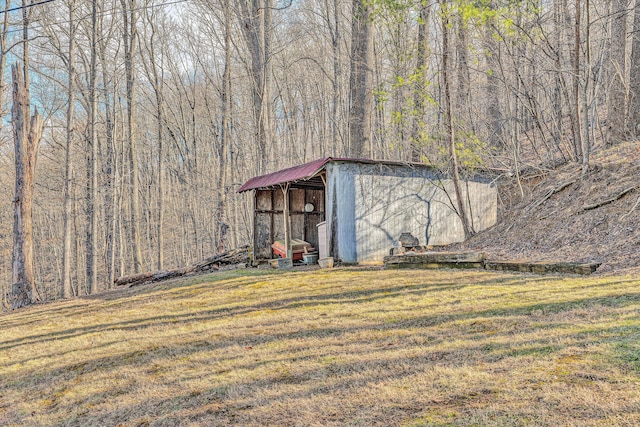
[355,210]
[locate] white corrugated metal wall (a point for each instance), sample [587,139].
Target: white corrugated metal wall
[370,205]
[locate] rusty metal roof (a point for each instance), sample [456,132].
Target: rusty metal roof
[296,173]
[307,171]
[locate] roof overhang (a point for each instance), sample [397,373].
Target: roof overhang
[308,175]
[300,174]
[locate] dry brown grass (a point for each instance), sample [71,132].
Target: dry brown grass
[330,347]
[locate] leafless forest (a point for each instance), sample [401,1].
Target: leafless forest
[153,112]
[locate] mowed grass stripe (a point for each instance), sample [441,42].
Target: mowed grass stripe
[330,347]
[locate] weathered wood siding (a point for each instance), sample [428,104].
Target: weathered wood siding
[370,205]
[269,220]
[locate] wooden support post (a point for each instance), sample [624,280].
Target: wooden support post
[287,220]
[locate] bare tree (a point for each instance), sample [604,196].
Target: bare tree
[129,37]
[421,82]
[155,75]
[256,19]
[27,131]
[224,152]
[92,187]
[449,123]
[4,31]
[67,290]
[617,91]
[361,80]
[634,83]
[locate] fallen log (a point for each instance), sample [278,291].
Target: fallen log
[609,200]
[550,193]
[235,257]
[133,278]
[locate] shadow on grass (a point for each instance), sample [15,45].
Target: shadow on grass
[424,321]
[353,297]
[338,377]
[238,309]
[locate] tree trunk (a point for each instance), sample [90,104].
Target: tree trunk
[67,291]
[361,81]
[463,94]
[111,176]
[255,16]
[27,131]
[449,128]
[617,91]
[3,54]
[336,38]
[129,39]
[421,83]
[92,187]
[558,81]
[586,140]
[155,75]
[225,137]
[160,171]
[577,140]
[634,84]
[493,113]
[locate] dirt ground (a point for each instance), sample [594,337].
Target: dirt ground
[561,215]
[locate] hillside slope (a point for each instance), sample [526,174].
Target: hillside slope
[565,216]
[328,348]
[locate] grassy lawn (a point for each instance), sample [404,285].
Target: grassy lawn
[330,347]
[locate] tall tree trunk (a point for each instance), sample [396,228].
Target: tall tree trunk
[111,181]
[160,171]
[634,83]
[67,290]
[129,39]
[92,190]
[255,16]
[27,131]
[361,81]
[463,95]
[449,127]
[336,38]
[577,140]
[155,74]
[3,60]
[558,81]
[3,53]
[586,140]
[617,92]
[267,114]
[493,113]
[420,86]
[225,136]
[25,50]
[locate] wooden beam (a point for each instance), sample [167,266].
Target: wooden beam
[287,219]
[436,258]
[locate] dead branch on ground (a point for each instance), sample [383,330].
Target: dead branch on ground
[632,209]
[551,192]
[609,200]
[214,263]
